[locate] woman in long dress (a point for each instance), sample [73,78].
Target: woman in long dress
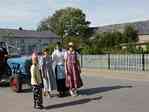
[49,80]
[73,70]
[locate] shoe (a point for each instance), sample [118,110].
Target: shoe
[34,106]
[64,94]
[60,94]
[50,94]
[40,107]
[45,93]
[75,92]
[72,93]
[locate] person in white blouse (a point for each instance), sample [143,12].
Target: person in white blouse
[58,60]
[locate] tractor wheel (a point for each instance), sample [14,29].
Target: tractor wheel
[15,83]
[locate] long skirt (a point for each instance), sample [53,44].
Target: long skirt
[50,81]
[60,78]
[37,95]
[73,79]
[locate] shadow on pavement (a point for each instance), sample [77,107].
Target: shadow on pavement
[73,103]
[97,90]
[28,90]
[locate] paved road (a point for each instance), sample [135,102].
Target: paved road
[98,95]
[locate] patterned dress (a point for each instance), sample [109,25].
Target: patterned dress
[73,79]
[49,79]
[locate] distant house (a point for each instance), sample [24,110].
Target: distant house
[25,41]
[142,27]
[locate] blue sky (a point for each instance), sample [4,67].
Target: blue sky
[28,13]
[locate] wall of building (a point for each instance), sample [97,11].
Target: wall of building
[143,38]
[27,46]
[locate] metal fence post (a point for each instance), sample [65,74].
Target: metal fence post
[109,61]
[143,62]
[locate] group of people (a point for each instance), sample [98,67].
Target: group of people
[60,70]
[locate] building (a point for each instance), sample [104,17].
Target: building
[141,26]
[26,41]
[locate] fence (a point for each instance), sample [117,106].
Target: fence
[126,62]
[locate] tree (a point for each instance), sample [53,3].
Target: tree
[130,34]
[75,40]
[104,42]
[107,41]
[68,22]
[51,47]
[6,35]
[44,25]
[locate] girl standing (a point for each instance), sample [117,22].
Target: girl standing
[36,83]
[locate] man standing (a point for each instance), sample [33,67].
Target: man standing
[3,59]
[58,59]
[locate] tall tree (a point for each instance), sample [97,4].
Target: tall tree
[130,34]
[66,22]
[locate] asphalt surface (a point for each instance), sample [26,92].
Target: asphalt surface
[99,94]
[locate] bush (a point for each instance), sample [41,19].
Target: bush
[51,47]
[75,40]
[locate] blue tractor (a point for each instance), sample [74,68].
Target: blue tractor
[14,71]
[20,72]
